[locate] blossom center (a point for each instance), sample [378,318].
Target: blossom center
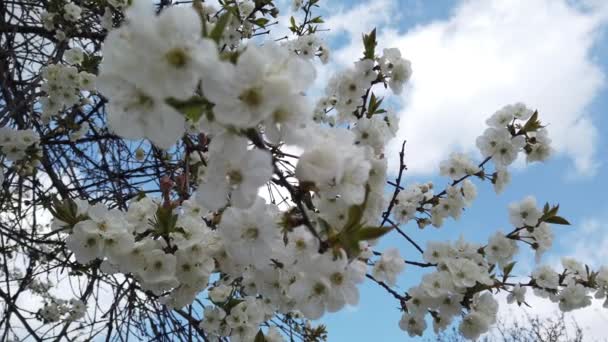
[318,289]
[235,177]
[252,97]
[251,233]
[280,115]
[177,57]
[337,278]
[300,245]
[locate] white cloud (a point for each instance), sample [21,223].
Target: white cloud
[588,242]
[487,54]
[362,18]
[591,319]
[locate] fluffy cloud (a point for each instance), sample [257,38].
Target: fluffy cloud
[587,243]
[590,319]
[356,20]
[485,55]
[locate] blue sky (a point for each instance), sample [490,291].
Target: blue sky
[470,58]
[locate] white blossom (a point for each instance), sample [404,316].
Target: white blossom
[518,294]
[389,266]
[415,325]
[546,277]
[524,213]
[237,177]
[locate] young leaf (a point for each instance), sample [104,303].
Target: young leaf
[533,124]
[192,108]
[355,213]
[369,43]
[507,270]
[557,220]
[293,27]
[317,20]
[261,22]
[220,26]
[372,233]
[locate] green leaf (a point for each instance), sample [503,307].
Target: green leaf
[229,304]
[507,270]
[349,243]
[220,26]
[192,108]
[230,56]
[553,211]
[549,212]
[372,233]
[261,22]
[533,124]
[317,20]
[233,10]
[259,337]
[66,211]
[557,220]
[293,27]
[374,105]
[165,220]
[90,63]
[369,43]
[355,213]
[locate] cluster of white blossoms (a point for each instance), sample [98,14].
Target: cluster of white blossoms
[69,12]
[573,288]
[72,11]
[242,322]
[396,68]
[240,25]
[508,135]
[66,17]
[54,309]
[247,248]
[16,144]
[514,129]
[466,275]
[253,101]
[110,235]
[58,309]
[526,214]
[64,83]
[310,46]
[348,90]
[188,76]
[420,198]
[62,19]
[21,146]
[460,266]
[458,166]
